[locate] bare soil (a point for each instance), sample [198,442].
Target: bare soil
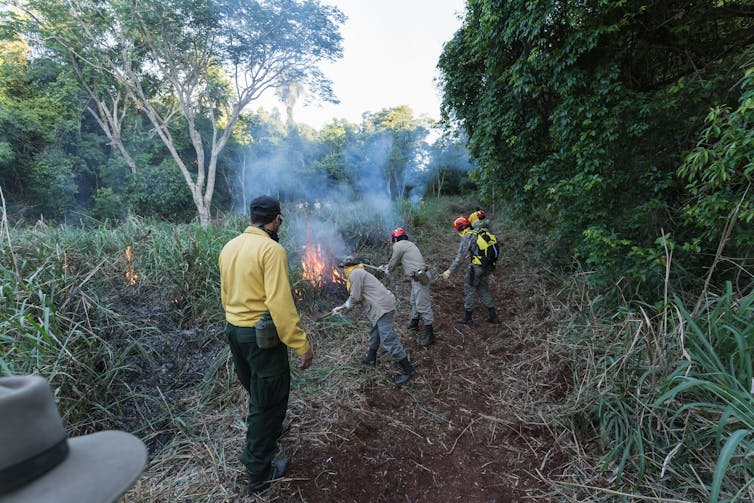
[469,427]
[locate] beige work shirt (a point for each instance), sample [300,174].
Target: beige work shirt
[377,299]
[409,256]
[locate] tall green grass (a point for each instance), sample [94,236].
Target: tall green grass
[671,401]
[68,313]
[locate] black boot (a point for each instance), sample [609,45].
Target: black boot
[492,318]
[370,358]
[276,470]
[429,336]
[408,372]
[413,324]
[466,320]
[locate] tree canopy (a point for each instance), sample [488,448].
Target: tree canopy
[582,113]
[190,67]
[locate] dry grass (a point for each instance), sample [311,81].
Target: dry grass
[521,377]
[201,463]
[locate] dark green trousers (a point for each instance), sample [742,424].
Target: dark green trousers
[265,375]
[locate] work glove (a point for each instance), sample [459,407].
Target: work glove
[446,275]
[383,268]
[344,307]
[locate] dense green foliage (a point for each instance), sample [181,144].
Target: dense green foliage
[719,172]
[38,117]
[625,129]
[582,113]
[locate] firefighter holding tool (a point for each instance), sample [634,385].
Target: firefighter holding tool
[476,282]
[407,255]
[379,303]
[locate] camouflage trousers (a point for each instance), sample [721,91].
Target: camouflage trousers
[476,284]
[383,333]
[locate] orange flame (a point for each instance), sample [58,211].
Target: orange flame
[130,273]
[316,269]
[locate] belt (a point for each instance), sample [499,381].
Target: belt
[413,274]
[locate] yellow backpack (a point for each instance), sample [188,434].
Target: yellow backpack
[486,249]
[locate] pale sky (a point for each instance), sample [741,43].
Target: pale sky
[390,51]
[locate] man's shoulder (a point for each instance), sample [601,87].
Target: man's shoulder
[468,238]
[358,272]
[260,241]
[406,245]
[413,245]
[232,243]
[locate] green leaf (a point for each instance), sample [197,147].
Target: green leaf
[738,437]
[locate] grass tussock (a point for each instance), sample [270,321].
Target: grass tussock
[93,309]
[663,410]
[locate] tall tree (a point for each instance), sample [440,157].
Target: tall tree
[399,134]
[183,61]
[289,94]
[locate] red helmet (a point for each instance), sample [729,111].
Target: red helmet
[398,233]
[461,223]
[480,214]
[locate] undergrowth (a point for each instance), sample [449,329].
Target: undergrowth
[126,324]
[664,408]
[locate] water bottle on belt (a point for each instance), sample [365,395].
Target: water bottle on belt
[422,276]
[267,334]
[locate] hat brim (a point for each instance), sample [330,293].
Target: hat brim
[99,468]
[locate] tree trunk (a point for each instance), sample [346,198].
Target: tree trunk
[243,184]
[204,215]
[110,122]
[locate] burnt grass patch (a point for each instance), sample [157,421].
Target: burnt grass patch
[468,427]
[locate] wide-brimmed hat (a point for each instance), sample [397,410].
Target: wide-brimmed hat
[348,261]
[39,463]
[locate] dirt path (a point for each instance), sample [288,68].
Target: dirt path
[466,429]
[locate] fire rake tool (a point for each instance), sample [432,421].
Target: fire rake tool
[322,316]
[375,268]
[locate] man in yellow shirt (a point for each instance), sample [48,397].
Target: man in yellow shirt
[262,322]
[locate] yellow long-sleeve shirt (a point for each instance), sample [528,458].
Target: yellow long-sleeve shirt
[254,279]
